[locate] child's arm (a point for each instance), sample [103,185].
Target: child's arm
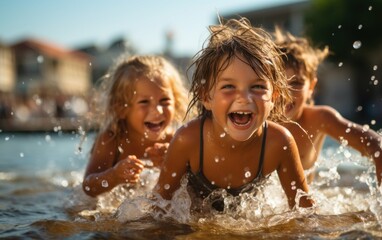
[101,176]
[364,140]
[175,164]
[290,171]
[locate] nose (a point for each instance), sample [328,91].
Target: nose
[244,97]
[158,109]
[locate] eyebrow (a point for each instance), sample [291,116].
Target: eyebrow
[228,79]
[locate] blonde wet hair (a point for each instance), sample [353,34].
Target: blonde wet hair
[237,38]
[118,88]
[299,54]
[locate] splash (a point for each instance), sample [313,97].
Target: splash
[344,190]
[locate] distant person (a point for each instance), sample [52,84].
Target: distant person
[145,100]
[301,61]
[239,86]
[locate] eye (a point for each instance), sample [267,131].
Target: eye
[165,101]
[227,86]
[259,87]
[143,101]
[296,85]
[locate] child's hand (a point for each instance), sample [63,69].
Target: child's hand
[157,152]
[128,170]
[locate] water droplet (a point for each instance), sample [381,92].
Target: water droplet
[370,8]
[365,128]
[347,154]
[40,59]
[233,146]
[90,63]
[47,138]
[21,154]
[373,122]
[372,77]
[173,174]
[357,44]
[347,130]
[167,186]
[120,149]
[339,26]
[104,183]
[360,26]
[375,82]
[216,159]
[359,108]
[375,67]
[203,81]
[285,147]
[376,154]
[126,105]
[340,64]
[293,183]
[213,182]
[247,174]
[222,135]
[6,138]
[87,188]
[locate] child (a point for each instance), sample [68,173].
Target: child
[238,84]
[145,97]
[301,62]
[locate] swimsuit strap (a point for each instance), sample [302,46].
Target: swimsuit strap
[201,151]
[262,153]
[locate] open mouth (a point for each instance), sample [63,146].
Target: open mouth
[240,118]
[154,126]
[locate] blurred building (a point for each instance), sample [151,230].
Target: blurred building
[42,66]
[42,86]
[7,69]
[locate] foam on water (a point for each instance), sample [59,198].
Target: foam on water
[351,198]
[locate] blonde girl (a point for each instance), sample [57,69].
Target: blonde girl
[145,99]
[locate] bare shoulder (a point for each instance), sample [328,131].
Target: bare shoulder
[279,132]
[188,133]
[321,113]
[104,139]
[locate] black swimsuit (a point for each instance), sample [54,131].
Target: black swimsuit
[203,187]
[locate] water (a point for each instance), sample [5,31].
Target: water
[41,198]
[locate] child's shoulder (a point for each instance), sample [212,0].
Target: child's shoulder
[321,113]
[189,131]
[279,132]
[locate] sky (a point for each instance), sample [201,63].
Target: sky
[76,23]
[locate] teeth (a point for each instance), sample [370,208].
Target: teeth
[242,113]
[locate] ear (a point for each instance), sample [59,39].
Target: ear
[312,85]
[206,103]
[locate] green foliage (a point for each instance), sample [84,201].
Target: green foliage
[339,23]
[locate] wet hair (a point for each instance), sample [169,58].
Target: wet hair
[118,88]
[254,46]
[299,54]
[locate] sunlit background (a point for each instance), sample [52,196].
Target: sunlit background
[53,52]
